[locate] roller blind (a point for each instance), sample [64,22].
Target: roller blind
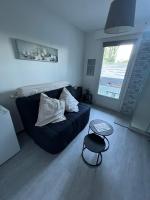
[117,43]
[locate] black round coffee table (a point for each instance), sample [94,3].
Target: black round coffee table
[96,141]
[102,128]
[95,144]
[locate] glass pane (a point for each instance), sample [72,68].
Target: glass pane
[115,62]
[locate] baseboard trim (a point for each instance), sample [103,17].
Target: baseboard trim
[139,131]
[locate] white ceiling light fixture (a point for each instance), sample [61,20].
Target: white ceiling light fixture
[121,16]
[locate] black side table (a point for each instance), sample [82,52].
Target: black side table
[95,144]
[101,128]
[97,141]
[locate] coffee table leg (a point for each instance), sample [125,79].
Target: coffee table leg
[108,144]
[89,130]
[97,162]
[83,147]
[97,159]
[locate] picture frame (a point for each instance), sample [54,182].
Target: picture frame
[25,50]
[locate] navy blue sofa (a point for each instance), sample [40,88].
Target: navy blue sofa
[53,137]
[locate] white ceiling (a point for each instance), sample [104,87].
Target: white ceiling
[90,15]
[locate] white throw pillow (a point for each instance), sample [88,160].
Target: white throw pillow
[71,104]
[50,110]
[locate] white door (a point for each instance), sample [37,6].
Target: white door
[115,73]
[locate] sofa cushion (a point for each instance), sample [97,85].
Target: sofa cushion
[53,137]
[50,110]
[71,104]
[78,119]
[72,91]
[54,93]
[28,108]
[82,108]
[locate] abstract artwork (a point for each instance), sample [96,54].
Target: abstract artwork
[31,51]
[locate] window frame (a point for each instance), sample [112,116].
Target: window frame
[116,43]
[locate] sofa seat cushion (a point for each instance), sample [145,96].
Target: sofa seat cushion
[82,109]
[80,118]
[53,137]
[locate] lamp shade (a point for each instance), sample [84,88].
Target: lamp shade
[121,16]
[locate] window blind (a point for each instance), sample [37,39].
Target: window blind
[117,43]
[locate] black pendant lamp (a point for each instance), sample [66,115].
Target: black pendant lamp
[121,16]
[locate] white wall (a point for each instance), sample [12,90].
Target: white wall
[30,21]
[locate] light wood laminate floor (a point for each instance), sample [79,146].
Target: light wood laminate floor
[34,174]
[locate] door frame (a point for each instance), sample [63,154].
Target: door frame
[109,102]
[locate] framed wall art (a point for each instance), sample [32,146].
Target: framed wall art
[30,51]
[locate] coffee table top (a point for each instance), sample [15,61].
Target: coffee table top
[101,127]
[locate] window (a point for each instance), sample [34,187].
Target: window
[114,66]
